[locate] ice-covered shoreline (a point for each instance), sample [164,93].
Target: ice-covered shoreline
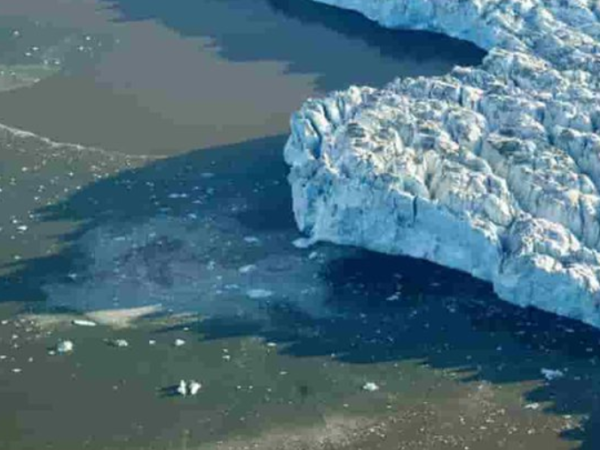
[493,170]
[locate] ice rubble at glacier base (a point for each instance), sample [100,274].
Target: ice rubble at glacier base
[493,170]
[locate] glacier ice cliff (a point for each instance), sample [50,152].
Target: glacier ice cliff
[493,170]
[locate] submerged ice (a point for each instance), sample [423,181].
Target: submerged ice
[493,170]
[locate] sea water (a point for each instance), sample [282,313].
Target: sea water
[166,221]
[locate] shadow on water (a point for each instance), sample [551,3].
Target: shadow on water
[267,30]
[386,308]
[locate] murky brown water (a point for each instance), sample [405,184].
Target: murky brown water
[155,79]
[198,246]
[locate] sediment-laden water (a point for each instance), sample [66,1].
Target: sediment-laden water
[171,219]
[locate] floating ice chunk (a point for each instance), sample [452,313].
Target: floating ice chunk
[370,387]
[178,195]
[182,388]
[65,347]
[259,293]
[247,269]
[120,343]
[194,387]
[17,370]
[152,342]
[84,323]
[179,342]
[22,228]
[302,243]
[533,406]
[251,240]
[552,374]
[191,387]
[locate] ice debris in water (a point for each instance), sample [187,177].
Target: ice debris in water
[179,342]
[533,406]
[191,387]
[65,347]
[370,387]
[302,243]
[120,343]
[552,374]
[247,269]
[194,387]
[259,293]
[182,388]
[84,323]
[251,240]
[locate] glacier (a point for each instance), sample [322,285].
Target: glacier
[492,170]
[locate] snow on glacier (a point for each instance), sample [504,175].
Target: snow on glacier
[493,170]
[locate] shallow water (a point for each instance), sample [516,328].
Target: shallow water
[157,78]
[198,246]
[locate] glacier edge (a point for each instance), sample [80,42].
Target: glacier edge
[492,170]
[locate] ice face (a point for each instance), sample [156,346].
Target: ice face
[492,170]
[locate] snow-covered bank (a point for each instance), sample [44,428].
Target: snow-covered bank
[492,170]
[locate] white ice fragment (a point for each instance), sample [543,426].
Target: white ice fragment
[179,342]
[370,387]
[152,342]
[271,344]
[84,323]
[247,269]
[17,370]
[65,347]
[22,228]
[182,388]
[194,387]
[313,255]
[259,293]
[393,297]
[533,406]
[302,243]
[552,374]
[120,343]
[251,240]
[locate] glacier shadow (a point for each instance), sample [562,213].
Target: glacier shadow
[446,320]
[311,38]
